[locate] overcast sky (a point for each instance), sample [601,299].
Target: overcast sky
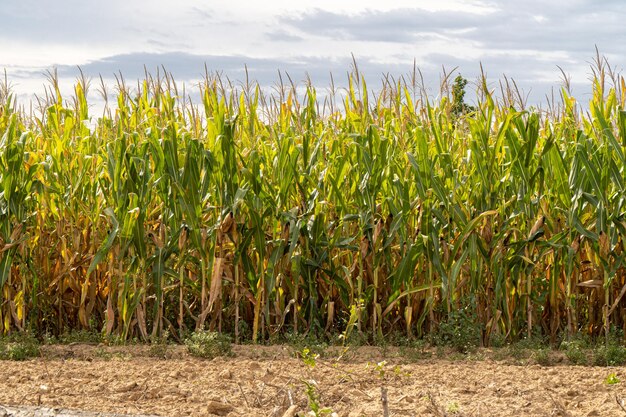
[524,40]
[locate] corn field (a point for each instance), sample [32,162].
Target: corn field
[260,214]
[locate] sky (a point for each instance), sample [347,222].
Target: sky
[526,41]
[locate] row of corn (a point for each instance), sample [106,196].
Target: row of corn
[259,214]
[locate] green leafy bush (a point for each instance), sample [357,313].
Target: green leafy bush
[208,345]
[542,357]
[460,330]
[609,355]
[575,352]
[19,347]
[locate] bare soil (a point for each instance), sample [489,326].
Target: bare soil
[270,381]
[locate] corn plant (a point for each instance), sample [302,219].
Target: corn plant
[258,213]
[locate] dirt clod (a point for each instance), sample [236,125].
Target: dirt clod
[217,408]
[226,374]
[291,411]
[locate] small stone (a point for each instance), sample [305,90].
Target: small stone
[226,374]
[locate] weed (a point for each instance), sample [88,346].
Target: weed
[398,372]
[453,407]
[460,330]
[517,352]
[575,352]
[441,352]
[102,353]
[497,340]
[311,389]
[299,342]
[542,357]
[208,345]
[348,336]
[524,348]
[378,368]
[309,358]
[80,336]
[159,347]
[532,343]
[501,354]
[414,351]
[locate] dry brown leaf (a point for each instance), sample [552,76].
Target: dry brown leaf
[215,292]
[592,283]
[141,322]
[538,225]
[604,245]
[110,316]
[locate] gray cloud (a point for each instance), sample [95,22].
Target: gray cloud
[524,41]
[399,25]
[185,67]
[536,80]
[283,36]
[188,69]
[66,20]
[206,14]
[554,26]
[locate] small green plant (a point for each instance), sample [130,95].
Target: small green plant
[158,350]
[453,407]
[299,342]
[159,346]
[378,368]
[612,379]
[309,358]
[398,372]
[355,313]
[208,345]
[311,391]
[19,347]
[103,353]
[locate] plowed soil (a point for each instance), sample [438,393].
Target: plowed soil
[272,381]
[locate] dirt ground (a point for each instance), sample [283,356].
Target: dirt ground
[272,381]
